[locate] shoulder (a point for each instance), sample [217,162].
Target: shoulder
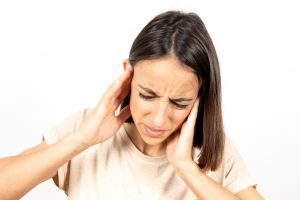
[66,126]
[229,151]
[232,172]
[236,176]
[73,120]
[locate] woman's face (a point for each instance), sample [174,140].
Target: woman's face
[163,92]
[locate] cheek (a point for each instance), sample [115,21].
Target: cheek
[179,117]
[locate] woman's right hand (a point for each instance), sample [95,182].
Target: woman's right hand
[99,125]
[101,122]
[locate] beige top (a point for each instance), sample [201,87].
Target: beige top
[116,169]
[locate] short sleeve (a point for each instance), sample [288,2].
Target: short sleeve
[237,176]
[56,133]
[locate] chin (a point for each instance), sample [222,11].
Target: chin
[152,141]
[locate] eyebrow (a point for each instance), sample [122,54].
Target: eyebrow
[154,94]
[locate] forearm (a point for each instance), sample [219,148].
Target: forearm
[202,186]
[19,174]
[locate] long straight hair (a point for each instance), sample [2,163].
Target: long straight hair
[185,36]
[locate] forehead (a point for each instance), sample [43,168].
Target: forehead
[166,74]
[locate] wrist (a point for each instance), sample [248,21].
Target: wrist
[76,142]
[185,167]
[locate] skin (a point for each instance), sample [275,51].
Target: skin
[168,79]
[20,173]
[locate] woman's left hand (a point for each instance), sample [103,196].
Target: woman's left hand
[180,144]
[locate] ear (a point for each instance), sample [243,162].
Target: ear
[126,65]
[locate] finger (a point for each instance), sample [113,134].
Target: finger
[173,139]
[188,127]
[114,90]
[120,90]
[116,87]
[124,92]
[191,120]
[124,115]
[123,81]
[122,96]
[124,89]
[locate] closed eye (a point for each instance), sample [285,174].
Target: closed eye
[179,105]
[146,97]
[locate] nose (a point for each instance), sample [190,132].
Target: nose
[160,114]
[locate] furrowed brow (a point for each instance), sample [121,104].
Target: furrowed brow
[178,100]
[181,99]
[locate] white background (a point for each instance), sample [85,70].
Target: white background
[57,57]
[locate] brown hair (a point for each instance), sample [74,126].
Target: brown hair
[185,36]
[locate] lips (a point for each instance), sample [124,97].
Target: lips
[154,132]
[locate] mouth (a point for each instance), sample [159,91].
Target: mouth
[154,132]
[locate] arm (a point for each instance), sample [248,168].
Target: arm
[19,174]
[179,153]
[206,188]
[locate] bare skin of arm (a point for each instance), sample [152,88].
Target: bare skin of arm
[21,173]
[206,188]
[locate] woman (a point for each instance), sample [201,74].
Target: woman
[165,141]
